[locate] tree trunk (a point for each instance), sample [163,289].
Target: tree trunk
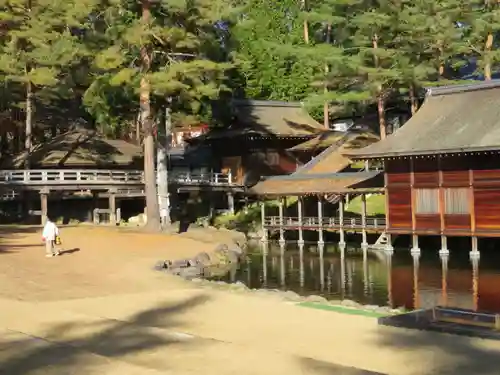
[326,105]
[381,115]
[162,167]
[413,99]
[28,141]
[380,95]
[306,25]
[487,65]
[138,129]
[152,206]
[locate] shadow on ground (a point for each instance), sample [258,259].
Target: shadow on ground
[91,347]
[448,354]
[12,232]
[313,366]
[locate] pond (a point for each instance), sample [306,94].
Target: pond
[399,280]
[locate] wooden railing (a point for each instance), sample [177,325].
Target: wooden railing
[69,176]
[327,222]
[209,178]
[99,176]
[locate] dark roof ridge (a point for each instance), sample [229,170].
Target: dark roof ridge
[456,89]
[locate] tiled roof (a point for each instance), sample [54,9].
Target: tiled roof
[79,147]
[320,184]
[268,118]
[321,175]
[453,119]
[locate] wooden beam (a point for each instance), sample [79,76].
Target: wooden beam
[413,204]
[441,203]
[472,206]
[386,194]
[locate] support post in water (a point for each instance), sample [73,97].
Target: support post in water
[364,242]
[415,249]
[388,246]
[341,224]
[282,224]
[474,253]
[321,242]
[263,221]
[416,268]
[300,213]
[444,278]
[444,246]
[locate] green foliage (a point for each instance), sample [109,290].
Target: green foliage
[375,205]
[38,44]
[264,71]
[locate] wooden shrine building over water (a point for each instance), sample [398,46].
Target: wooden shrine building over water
[442,168]
[328,180]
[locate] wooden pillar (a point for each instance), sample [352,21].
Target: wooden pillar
[321,242]
[281,228]
[263,221]
[364,242]
[341,224]
[415,249]
[230,202]
[112,208]
[44,197]
[300,214]
[472,206]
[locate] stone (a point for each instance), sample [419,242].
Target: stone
[350,303]
[198,280]
[181,263]
[202,258]
[317,299]
[291,296]
[383,310]
[238,285]
[190,272]
[160,265]
[370,307]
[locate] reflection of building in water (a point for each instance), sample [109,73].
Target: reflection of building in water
[354,277]
[469,289]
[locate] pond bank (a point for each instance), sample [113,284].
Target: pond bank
[313,301]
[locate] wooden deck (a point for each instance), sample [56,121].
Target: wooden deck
[373,224]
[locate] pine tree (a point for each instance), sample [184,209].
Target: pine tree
[267,72]
[40,42]
[480,26]
[163,50]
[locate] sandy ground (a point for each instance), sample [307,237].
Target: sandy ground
[101,309]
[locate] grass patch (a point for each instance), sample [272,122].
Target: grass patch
[375,205]
[342,309]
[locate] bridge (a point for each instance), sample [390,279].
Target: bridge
[373,224]
[21,185]
[77,179]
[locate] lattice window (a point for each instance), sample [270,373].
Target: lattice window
[456,201]
[426,201]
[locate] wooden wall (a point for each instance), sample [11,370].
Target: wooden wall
[480,174]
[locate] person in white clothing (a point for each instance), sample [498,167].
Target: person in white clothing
[50,232]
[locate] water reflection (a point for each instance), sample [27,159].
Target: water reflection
[378,278]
